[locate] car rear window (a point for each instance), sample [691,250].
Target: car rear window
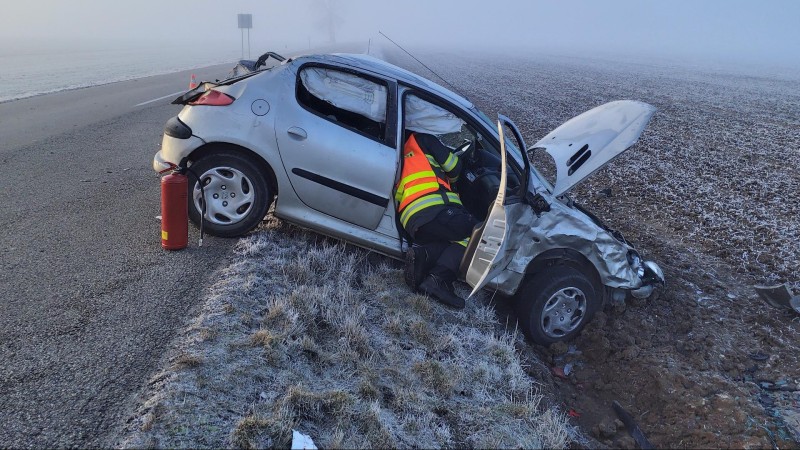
[345,98]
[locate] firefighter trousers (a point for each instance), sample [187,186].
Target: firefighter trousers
[441,236]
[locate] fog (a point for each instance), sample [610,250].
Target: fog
[750,32]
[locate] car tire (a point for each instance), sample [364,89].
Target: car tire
[555,304]
[236,191]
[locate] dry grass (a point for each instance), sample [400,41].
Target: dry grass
[186,360]
[309,335]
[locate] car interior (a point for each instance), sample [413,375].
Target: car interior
[480,175]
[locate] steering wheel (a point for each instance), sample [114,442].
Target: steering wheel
[466,149]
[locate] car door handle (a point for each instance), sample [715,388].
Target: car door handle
[297,133]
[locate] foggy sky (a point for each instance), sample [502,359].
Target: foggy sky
[732,30]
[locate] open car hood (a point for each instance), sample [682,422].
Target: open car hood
[587,142]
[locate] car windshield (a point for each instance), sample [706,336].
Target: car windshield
[492,125]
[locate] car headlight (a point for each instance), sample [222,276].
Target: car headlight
[635,262]
[654,272]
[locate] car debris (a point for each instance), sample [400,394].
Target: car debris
[632,427]
[302,441]
[559,372]
[758,356]
[779,296]
[780,385]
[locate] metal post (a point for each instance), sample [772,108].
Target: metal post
[245,21]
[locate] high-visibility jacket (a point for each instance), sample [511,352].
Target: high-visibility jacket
[423,181]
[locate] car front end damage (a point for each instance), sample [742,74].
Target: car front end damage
[543,227]
[536,233]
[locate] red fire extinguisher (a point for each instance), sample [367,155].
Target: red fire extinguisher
[174,211]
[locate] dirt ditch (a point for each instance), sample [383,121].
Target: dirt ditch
[702,364]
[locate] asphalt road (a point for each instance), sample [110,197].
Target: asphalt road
[88,299]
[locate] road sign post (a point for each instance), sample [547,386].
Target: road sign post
[245,23]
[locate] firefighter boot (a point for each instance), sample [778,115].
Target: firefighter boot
[439,289]
[416,264]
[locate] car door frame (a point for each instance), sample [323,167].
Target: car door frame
[488,252]
[403,90]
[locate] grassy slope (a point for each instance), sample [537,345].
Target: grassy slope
[305,333]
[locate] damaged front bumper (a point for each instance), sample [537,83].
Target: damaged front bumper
[617,264]
[653,276]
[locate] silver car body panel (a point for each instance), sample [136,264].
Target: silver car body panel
[318,158]
[562,227]
[587,142]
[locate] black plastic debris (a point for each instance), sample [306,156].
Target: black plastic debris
[779,296]
[758,356]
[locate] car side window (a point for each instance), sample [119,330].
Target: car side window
[347,99]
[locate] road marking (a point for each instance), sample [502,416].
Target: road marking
[159,98]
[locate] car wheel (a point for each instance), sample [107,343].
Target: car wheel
[556,303]
[237,195]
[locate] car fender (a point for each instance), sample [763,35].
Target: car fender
[562,228]
[240,128]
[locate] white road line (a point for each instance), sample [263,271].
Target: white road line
[159,98]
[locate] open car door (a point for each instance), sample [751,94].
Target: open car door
[487,256]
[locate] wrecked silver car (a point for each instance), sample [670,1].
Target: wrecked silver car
[321,137]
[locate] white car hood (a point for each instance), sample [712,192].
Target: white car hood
[587,142]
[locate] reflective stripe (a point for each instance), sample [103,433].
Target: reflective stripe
[463,242]
[419,204]
[412,193]
[424,202]
[420,177]
[417,176]
[411,190]
[453,197]
[451,162]
[401,188]
[437,170]
[448,165]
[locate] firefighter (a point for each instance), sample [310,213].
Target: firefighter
[432,214]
